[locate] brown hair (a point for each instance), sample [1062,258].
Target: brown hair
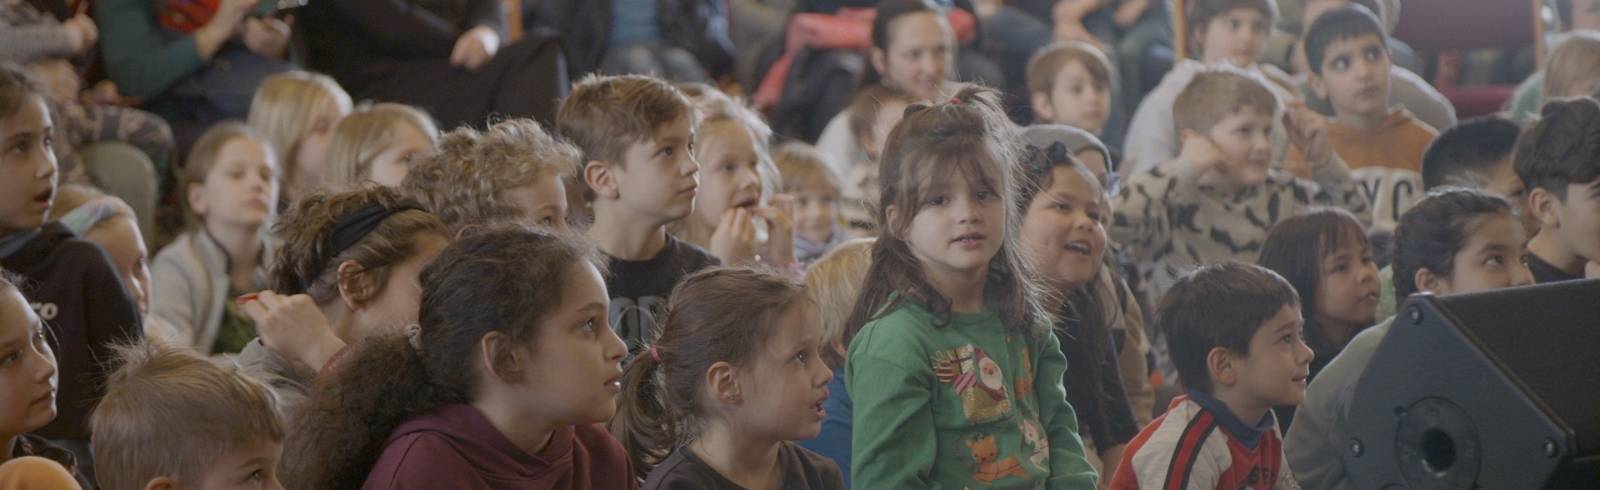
[1218,92]
[1218,305]
[465,181]
[364,134]
[864,107]
[804,167]
[502,280]
[1295,248]
[721,314]
[835,282]
[1200,12]
[302,264]
[207,152]
[15,87]
[1562,147]
[1048,62]
[169,412]
[1576,59]
[970,138]
[605,114]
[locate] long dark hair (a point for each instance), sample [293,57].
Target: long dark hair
[500,280]
[716,315]
[887,12]
[1295,248]
[968,137]
[1433,231]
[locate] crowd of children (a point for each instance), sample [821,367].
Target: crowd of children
[635,282]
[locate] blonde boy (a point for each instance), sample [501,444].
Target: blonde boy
[510,173]
[816,192]
[1070,83]
[172,419]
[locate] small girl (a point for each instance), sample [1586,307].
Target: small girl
[835,282]
[735,377]
[1063,209]
[505,384]
[1455,240]
[510,173]
[353,258]
[109,222]
[736,217]
[379,144]
[27,379]
[297,112]
[815,190]
[1326,257]
[953,371]
[231,184]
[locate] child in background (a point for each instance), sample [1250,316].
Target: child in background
[636,137]
[1063,227]
[28,383]
[349,262]
[873,113]
[1574,18]
[214,427]
[296,111]
[1383,145]
[1235,336]
[953,372]
[1573,68]
[1453,241]
[716,404]
[1070,83]
[108,222]
[505,383]
[510,173]
[1559,160]
[1325,255]
[74,288]
[835,282]
[735,215]
[379,144]
[231,184]
[814,189]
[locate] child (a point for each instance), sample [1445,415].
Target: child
[740,395]
[296,112]
[952,369]
[504,384]
[1454,240]
[735,214]
[1235,337]
[1573,68]
[1062,208]
[214,427]
[636,138]
[873,113]
[75,288]
[1559,160]
[108,222]
[29,379]
[511,172]
[1383,145]
[231,182]
[1219,198]
[1070,83]
[355,256]
[1325,255]
[835,282]
[813,186]
[379,144]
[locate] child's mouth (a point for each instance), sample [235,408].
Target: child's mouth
[45,196]
[969,240]
[1078,246]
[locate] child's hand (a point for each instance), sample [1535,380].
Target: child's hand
[81,33]
[735,237]
[292,327]
[780,229]
[475,48]
[1199,152]
[1129,12]
[268,37]
[1308,131]
[1073,31]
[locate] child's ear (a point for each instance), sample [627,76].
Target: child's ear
[197,199]
[723,385]
[1042,107]
[1220,364]
[880,60]
[354,288]
[1545,206]
[598,176]
[1426,281]
[1185,134]
[161,483]
[501,359]
[891,216]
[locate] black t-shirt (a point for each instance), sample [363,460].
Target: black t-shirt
[1104,413]
[639,288]
[1543,272]
[802,469]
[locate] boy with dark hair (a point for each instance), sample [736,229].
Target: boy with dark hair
[1346,50]
[1235,336]
[1559,160]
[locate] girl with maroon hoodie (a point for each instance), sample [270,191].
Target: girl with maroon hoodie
[503,385]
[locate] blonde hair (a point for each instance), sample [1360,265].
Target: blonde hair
[834,281]
[1046,64]
[364,134]
[713,106]
[605,114]
[466,179]
[285,107]
[1575,60]
[802,166]
[1218,92]
[169,412]
[208,150]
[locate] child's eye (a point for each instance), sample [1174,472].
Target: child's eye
[665,151]
[938,201]
[985,195]
[1494,260]
[802,356]
[10,358]
[1094,215]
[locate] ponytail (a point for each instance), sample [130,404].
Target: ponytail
[644,424]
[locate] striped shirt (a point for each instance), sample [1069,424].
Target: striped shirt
[1202,446]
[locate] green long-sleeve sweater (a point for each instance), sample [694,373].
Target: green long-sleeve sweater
[967,405]
[144,59]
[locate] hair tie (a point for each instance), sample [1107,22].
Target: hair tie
[955,100]
[351,228]
[655,354]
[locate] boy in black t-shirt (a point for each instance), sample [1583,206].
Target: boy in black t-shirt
[1559,160]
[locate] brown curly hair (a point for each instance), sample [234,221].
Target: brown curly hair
[466,180]
[302,266]
[496,280]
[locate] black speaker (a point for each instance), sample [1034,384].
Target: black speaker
[1497,390]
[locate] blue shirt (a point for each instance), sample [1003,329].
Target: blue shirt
[834,440]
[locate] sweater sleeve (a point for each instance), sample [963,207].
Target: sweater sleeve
[24,43]
[1339,188]
[1143,219]
[403,28]
[893,442]
[138,57]
[1068,467]
[171,294]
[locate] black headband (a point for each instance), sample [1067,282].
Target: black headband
[353,227]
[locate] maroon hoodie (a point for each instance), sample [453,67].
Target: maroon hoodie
[456,447]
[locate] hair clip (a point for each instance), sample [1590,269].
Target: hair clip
[655,354]
[955,100]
